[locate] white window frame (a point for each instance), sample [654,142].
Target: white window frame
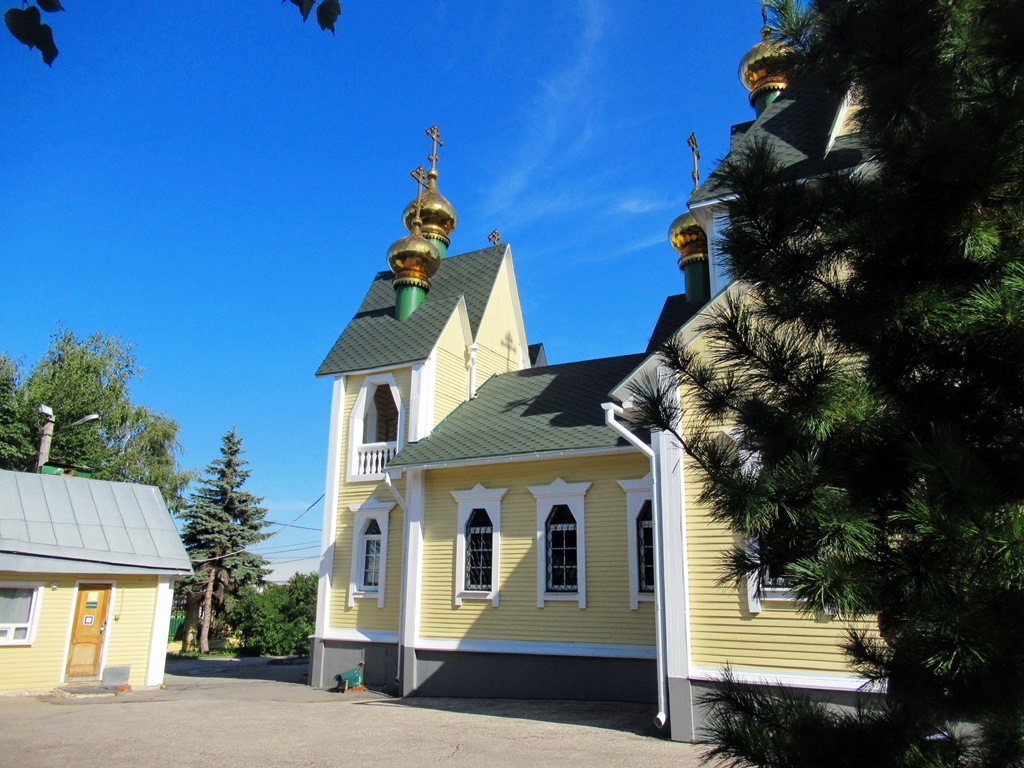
[33,613]
[637,492]
[358,421]
[489,500]
[548,497]
[750,465]
[362,514]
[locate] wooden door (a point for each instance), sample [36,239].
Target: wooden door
[88,631]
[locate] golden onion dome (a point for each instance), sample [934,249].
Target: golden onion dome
[437,215]
[688,239]
[761,69]
[413,259]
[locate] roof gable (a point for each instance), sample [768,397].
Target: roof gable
[375,339]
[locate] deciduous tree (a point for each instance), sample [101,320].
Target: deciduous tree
[77,377]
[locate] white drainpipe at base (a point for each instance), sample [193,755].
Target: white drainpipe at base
[611,411]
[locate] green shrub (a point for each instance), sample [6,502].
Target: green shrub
[278,620]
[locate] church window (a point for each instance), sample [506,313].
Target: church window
[645,548]
[479,547]
[640,539]
[371,556]
[478,544]
[369,551]
[561,550]
[561,542]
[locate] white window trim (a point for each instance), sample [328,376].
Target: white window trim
[489,500]
[750,465]
[637,492]
[357,423]
[362,514]
[548,496]
[33,615]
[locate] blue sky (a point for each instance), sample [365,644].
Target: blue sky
[218,183]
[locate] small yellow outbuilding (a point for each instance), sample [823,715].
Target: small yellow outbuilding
[87,569]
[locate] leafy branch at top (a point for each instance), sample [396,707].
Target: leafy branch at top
[27,27]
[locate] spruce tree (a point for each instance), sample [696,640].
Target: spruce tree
[875,369]
[220,523]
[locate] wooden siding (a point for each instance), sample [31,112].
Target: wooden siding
[451,385]
[607,618]
[497,338]
[131,625]
[723,631]
[366,614]
[40,666]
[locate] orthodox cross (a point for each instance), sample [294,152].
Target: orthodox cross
[691,142]
[421,182]
[494,237]
[764,12]
[435,136]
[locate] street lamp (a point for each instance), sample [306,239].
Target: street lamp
[47,436]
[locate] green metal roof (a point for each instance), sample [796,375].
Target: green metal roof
[375,339]
[797,125]
[540,410]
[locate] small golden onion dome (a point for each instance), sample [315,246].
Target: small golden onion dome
[413,259]
[438,216]
[688,239]
[761,69]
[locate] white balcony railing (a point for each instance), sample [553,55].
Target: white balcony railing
[371,458]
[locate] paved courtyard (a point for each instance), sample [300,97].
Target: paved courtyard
[224,712]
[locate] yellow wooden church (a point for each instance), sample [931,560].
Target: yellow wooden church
[494,528]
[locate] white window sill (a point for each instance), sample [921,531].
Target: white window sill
[561,597]
[477,595]
[643,597]
[366,593]
[779,596]
[15,643]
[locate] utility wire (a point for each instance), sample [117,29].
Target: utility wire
[272,535]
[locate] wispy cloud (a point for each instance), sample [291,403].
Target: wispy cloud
[560,130]
[640,204]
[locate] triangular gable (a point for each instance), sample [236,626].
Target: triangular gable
[375,339]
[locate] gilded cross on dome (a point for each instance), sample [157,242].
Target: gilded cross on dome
[691,142]
[435,136]
[421,183]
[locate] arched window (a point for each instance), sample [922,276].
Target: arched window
[560,534]
[371,556]
[645,548]
[479,550]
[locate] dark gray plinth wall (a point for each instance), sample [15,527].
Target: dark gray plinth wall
[486,675]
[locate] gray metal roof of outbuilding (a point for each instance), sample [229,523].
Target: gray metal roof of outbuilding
[375,339]
[525,413]
[63,524]
[797,126]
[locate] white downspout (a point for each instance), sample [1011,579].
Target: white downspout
[405,576]
[611,410]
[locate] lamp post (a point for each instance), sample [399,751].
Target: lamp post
[47,437]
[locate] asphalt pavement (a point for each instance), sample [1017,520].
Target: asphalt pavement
[221,713]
